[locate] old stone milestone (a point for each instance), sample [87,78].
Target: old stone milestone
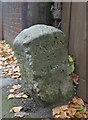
[43,58]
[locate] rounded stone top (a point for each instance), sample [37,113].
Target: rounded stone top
[33,32]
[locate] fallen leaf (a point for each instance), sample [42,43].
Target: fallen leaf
[74,109]
[64,107]
[16,109]
[24,96]
[16,76]
[19,95]
[75,78]
[58,109]
[63,115]
[77,100]
[8,61]
[11,96]
[20,114]
[16,69]
[71,112]
[12,90]
[16,86]
[78,115]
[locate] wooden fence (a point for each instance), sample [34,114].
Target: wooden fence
[74,26]
[0,20]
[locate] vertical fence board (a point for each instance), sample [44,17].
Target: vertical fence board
[77,43]
[87,49]
[66,18]
[0,20]
[74,26]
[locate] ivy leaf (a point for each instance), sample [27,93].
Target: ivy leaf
[71,63]
[81,109]
[72,68]
[70,59]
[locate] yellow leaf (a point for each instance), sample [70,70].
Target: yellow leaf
[11,96]
[24,96]
[70,59]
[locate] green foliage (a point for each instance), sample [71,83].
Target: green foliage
[71,63]
[81,109]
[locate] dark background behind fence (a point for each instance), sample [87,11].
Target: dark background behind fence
[17,16]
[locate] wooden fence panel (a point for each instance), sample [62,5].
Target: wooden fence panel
[66,6]
[0,20]
[76,34]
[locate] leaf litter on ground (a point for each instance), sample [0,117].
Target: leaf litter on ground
[8,61]
[17,95]
[74,109]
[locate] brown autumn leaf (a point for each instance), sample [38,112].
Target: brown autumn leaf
[80,101]
[58,109]
[85,114]
[71,112]
[16,109]
[8,61]
[75,78]
[77,100]
[74,109]
[64,107]
[63,114]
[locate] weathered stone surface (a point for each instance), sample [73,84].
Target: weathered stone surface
[43,57]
